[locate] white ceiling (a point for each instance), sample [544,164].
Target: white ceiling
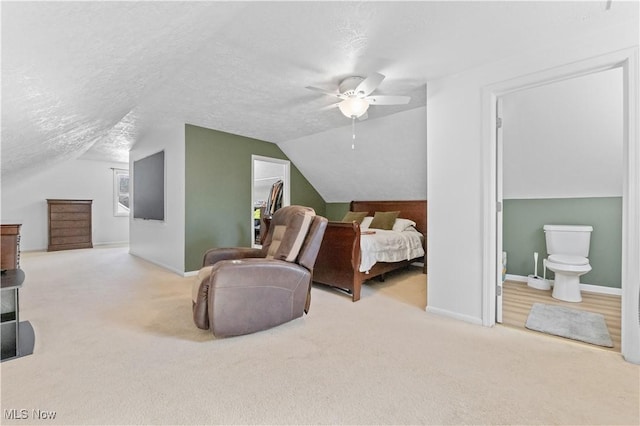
[86,79]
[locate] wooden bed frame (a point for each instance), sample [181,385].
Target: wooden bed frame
[338,261]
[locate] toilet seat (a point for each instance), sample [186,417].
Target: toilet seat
[565,259]
[568,263]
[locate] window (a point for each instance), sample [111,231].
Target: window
[120,192]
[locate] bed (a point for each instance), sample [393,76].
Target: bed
[339,262]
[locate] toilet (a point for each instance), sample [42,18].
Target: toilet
[568,250]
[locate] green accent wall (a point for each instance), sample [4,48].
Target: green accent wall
[218,190]
[336,211]
[523,235]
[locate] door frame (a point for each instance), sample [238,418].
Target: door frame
[627,59]
[499,209]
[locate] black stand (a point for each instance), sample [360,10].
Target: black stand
[17,338]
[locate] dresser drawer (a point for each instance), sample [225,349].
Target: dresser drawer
[84,224]
[68,216]
[69,232]
[70,208]
[70,240]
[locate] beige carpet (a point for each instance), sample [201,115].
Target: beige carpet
[115,345]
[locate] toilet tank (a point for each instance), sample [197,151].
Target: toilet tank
[568,239]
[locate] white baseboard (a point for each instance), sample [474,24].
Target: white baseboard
[162,265]
[517,278]
[592,288]
[454,315]
[111,243]
[600,289]
[101,244]
[33,250]
[190,274]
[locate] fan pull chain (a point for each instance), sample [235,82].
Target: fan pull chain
[353,132]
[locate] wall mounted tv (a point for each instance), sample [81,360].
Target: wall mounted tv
[148,187]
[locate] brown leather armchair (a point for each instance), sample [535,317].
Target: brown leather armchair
[243,290]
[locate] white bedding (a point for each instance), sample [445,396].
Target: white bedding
[389,246]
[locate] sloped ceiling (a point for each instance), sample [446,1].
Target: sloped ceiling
[583,128]
[86,79]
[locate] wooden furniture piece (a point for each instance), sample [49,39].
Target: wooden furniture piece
[69,224]
[338,262]
[10,252]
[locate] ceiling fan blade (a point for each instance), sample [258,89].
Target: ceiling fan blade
[363,116]
[369,84]
[387,100]
[326,92]
[331,106]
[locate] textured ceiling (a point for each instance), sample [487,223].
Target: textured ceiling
[85,79]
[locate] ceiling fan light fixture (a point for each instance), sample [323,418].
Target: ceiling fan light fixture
[353,107]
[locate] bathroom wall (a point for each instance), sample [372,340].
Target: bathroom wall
[563,165]
[523,235]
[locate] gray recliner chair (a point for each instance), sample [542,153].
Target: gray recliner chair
[243,290]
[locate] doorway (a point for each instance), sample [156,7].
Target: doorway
[562,164]
[267,175]
[627,60]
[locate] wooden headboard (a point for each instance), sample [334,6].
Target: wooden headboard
[415,210]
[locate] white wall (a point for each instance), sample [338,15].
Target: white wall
[564,139]
[456,170]
[386,164]
[24,200]
[162,243]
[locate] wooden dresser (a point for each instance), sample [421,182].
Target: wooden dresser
[10,251]
[69,224]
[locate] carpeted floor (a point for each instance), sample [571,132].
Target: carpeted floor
[115,345]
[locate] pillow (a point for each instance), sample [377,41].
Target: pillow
[354,216]
[291,224]
[366,222]
[384,220]
[402,224]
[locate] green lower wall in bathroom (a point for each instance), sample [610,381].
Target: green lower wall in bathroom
[523,220]
[218,190]
[336,211]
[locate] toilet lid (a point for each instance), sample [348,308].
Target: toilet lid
[566,259]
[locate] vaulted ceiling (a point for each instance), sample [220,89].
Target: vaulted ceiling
[85,79]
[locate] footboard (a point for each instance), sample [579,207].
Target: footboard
[338,261]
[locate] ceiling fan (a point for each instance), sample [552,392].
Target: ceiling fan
[355,93]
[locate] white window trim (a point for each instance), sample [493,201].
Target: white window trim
[116,191]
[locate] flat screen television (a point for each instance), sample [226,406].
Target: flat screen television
[148,187]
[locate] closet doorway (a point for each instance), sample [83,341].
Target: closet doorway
[270,189]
